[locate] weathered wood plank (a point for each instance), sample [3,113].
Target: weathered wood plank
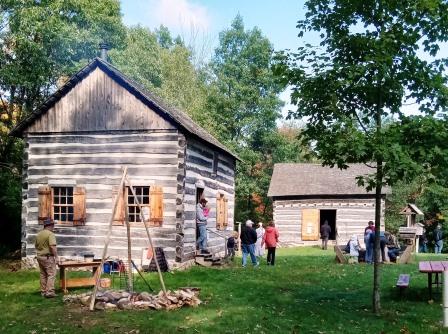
[103,218]
[102,194]
[96,149]
[209,175]
[115,138]
[98,161]
[120,253]
[117,231]
[113,170]
[81,241]
[106,181]
[195,147]
[199,161]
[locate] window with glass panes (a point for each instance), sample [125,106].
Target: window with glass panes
[142,194]
[63,204]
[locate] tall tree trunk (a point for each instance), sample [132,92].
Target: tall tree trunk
[378,188]
[377,255]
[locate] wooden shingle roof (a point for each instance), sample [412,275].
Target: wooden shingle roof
[304,179]
[178,117]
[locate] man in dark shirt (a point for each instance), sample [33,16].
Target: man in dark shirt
[438,238]
[248,239]
[325,231]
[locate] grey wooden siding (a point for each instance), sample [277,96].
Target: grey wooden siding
[94,161]
[199,173]
[352,216]
[98,103]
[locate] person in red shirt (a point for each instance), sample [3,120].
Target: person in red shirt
[270,239]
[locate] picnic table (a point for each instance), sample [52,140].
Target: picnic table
[432,267]
[78,281]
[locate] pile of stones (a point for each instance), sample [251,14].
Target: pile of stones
[113,299]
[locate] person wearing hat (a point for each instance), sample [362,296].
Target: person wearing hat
[201,222]
[47,257]
[248,240]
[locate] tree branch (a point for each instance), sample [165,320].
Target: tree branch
[370,166]
[360,123]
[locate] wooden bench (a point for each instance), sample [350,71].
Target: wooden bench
[340,258]
[403,282]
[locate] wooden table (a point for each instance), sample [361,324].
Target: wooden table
[78,281]
[432,267]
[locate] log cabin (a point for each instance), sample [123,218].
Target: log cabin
[76,144]
[306,195]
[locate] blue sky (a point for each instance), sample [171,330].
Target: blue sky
[276,19]
[199,22]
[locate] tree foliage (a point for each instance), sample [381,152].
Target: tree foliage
[244,92]
[243,95]
[41,44]
[368,64]
[162,65]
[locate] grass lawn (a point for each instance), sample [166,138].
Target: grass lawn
[306,292]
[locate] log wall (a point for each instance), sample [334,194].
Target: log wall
[94,161]
[86,137]
[352,216]
[199,173]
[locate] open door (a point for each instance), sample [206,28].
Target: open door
[310,224]
[330,217]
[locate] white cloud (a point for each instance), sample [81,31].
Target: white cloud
[181,15]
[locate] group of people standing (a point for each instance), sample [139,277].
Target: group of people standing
[253,242]
[438,240]
[386,239]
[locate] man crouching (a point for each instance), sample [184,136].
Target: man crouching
[47,257]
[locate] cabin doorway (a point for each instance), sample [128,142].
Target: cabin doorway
[199,195]
[330,216]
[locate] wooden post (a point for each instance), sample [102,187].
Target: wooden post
[141,275]
[128,232]
[106,244]
[142,215]
[239,239]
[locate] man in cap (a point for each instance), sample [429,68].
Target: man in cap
[201,222]
[47,257]
[248,240]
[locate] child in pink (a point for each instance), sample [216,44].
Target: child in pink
[206,211]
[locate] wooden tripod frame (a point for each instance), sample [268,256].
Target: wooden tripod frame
[124,178]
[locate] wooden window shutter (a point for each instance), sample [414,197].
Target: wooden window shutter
[44,196]
[226,212]
[119,212]
[220,212]
[79,206]
[156,208]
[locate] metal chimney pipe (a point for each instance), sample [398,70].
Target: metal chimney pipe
[103,48]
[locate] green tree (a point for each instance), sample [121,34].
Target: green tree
[243,92]
[367,65]
[254,174]
[163,67]
[426,142]
[139,58]
[41,44]
[243,96]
